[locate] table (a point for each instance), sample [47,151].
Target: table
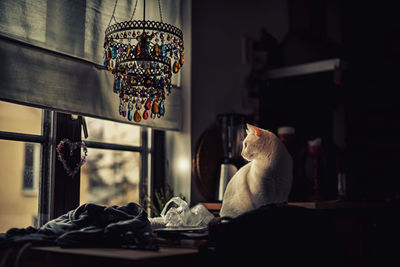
[76,257]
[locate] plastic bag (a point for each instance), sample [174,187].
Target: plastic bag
[176,213]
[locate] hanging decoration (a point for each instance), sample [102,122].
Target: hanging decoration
[142,55]
[65,151]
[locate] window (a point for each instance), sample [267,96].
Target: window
[116,172]
[20,165]
[30,181]
[113,172]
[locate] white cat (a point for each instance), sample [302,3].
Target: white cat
[266,179]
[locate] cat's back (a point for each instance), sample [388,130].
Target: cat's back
[238,179]
[236,196]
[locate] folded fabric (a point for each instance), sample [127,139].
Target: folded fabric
[90,225]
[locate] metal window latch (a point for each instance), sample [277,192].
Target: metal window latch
[82,121]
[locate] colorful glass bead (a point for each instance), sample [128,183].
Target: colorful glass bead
[163,50]
[145,115]
[138,49]
[129,48]
[125,35]
[162,108]
[108,54]
[121,50]
[175,67]
[147,106]
[147,82]
[137,117]
[154,108]
[130,115]
[114,52]
[117,85]
[162,83]
[157,50]
[181,60]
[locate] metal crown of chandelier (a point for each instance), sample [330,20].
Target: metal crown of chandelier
[139,53]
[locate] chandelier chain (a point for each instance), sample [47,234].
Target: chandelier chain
[112,16]
[134,10]
[159,7]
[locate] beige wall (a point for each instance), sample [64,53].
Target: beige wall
[16,208]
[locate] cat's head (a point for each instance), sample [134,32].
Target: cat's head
[258,143]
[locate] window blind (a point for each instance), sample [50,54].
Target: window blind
[52,54]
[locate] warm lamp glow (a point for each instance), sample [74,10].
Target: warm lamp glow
[183,164]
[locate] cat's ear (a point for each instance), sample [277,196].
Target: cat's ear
[253,129]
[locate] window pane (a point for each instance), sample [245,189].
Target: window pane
[113,132]
[110,177]
[19,181]
[19,118]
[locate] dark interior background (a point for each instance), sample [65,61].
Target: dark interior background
[361,113]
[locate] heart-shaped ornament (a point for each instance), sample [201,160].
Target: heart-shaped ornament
[65,150]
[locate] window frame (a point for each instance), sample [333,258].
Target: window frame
[44,139]
[145,151]
[58,196]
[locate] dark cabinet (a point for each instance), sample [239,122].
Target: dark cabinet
[331,100]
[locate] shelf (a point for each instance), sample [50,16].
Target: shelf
[212,206]
[307,68]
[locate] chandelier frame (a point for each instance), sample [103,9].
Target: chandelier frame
[139,53]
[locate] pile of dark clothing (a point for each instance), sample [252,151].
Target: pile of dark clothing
[89,225]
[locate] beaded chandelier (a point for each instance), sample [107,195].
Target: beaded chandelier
[139,53]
